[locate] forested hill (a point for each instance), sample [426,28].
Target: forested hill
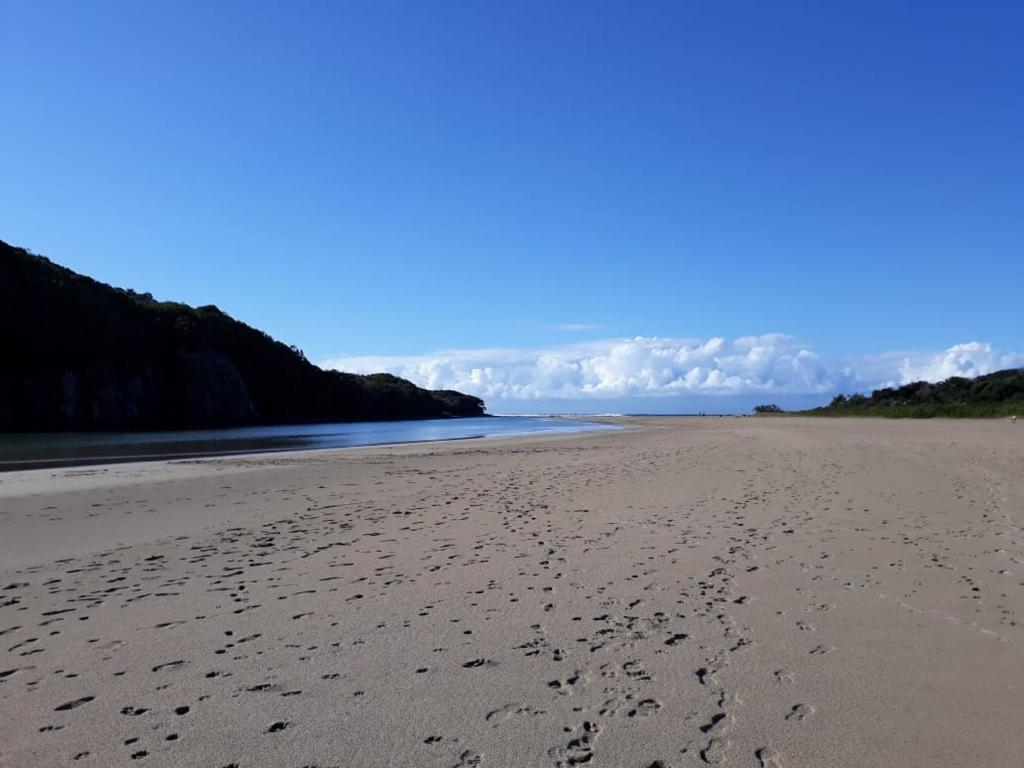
[81,355]
[994,394]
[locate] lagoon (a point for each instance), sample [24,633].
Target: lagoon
[33,451]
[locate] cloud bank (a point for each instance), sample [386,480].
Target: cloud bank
[769,364]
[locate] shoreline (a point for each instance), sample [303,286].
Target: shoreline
[57,462]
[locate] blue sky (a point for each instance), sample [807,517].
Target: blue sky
[440,188]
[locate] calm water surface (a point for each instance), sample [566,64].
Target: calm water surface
[70,449]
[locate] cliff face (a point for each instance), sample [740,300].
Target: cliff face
[80,355]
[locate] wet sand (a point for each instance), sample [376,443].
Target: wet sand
[736,592]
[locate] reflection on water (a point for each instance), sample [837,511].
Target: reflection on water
[57,450]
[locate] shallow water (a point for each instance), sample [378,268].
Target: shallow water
[28,451]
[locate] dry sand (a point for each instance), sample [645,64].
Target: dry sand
[734,592]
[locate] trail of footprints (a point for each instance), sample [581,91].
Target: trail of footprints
[623,614]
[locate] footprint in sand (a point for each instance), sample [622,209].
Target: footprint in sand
[645,708]
[468,759]
[718,723]
[768,757]
[73,704]
[566,687]
[799,712]
[498,716]
[715,752]
[579,750]
[707,676]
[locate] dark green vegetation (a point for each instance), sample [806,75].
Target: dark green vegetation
[81,355]
[994,394]
[767,408]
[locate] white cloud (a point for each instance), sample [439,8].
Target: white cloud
[971,359]
[649,367]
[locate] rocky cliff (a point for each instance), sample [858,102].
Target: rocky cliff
[81,355]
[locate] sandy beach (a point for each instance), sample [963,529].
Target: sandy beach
[775,592]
